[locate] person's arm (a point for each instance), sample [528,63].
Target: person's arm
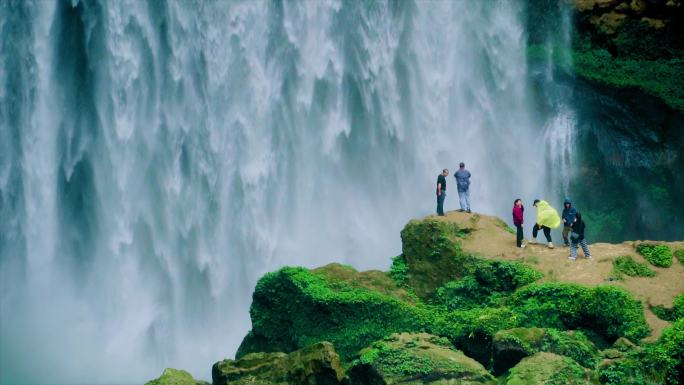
[439,189]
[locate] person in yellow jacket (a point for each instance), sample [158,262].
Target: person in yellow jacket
[547,219]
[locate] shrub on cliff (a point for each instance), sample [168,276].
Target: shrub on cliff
[294,307]
[657,255]
[608,311]
[628,266]
[680,256]
[490,281]
[667,355]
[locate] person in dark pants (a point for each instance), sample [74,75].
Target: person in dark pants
[577,238]
[569,218]
[518,210]
[441,191]
[547,219]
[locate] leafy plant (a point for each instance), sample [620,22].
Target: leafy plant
[628,266]
[679,254]
[657,255]
[399,270]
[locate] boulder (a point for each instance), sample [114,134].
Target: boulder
[176,377]
[416,359]
[432,251]
[547,369]
[510,346]
[317,364]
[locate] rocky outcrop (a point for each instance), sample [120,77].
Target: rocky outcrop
[609,15]
[510,346]
[481,317]
[176,377]
[416,359]
[317,364]
[547,369]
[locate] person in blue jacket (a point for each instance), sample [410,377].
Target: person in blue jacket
[463,186]
[569,216]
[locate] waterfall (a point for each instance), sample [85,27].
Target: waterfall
[157,157]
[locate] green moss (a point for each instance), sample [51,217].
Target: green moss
[510,346]
[415,358]
[608,311]
[399,270]
[548,369]
[620,372]
[662,78]
[294,307]
[628,266]
[670,314]
[679,254]
[667,356]
[657,255]
[499,222]
[432,251]
[176,377]
[489,282]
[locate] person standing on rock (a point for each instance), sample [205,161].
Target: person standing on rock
[518,211]
[547,219]
[441,191]
[463,186]
[569,217]
[577,237]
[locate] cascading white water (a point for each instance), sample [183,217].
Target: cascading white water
[158,157]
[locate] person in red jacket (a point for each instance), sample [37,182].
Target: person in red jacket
[518,210]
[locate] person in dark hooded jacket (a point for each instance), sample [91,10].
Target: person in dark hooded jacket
[577,238]
[569,217]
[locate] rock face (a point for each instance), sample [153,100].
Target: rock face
[416,359]
[176,377]
[317,364]
[510,346]
[548,369]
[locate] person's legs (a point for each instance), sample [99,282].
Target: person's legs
[535,230]
[566,230]
[462,199]
[547,233]
[519,235]
[440,204]
[573,251]
[467,199]
[585,248]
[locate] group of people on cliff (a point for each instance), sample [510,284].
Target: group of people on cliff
[547,217]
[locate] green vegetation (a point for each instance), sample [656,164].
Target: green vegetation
[670,314]
[495,312]
[510,346]
[176,377]
[608,311]
[399,270]
[415,358]
[657,255]
[628,266]
[667,356]
[488,283]
[679,254]
[648,75]
[548,369]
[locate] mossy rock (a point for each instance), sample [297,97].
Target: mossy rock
[549,369]
[432,252]
[607,312]
[317,364]
[176,377]
[294,307]
[510,346]
[488,283]
[416,359]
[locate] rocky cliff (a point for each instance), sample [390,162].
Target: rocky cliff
[463,305]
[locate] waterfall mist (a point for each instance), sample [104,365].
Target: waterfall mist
[157,157]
